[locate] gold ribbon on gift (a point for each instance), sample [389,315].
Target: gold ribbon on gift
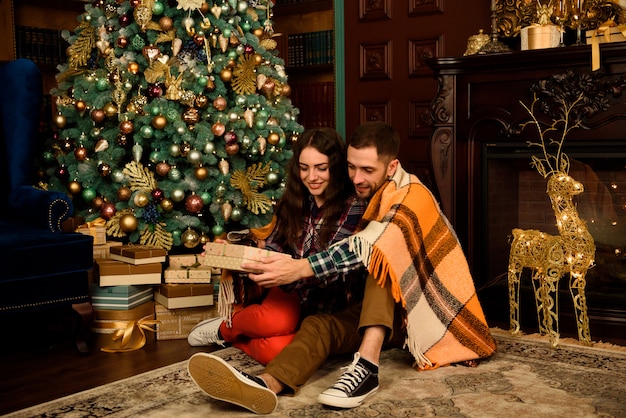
[93,224]
[602,30]
[130,335]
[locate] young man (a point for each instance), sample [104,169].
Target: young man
[418,274]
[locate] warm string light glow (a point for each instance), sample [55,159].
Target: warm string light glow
[550,257]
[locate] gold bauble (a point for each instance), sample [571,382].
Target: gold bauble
[232,149]
[258,32]
[258,59]
[167,205]
[226,75]
[202,101]
[80,105]
[273,138]
[133,67]
[190,238]
[128,223]
[285,90]
[159,122]
[204,238]
[166,23]
[201,173]
[97,202]
[97,115]
[110,110]
[220,103]
[191,116]
[60,121]
[74,187]
[124,193]
[141,200]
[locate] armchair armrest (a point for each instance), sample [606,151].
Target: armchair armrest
[43,208]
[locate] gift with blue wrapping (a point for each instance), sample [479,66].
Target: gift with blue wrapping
[120,297]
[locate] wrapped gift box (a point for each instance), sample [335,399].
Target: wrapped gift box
[96,229]
[605,35]
[118,273]
[104,250]
[138,254]
[231,256]
[174,296]
[176,324]
[108,321]
[201,274]
[185,261]
[120,297]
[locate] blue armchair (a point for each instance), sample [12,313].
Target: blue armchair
[41,267]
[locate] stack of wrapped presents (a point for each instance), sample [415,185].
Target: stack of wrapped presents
[123,296]
[186,296]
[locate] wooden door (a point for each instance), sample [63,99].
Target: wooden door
[387,43]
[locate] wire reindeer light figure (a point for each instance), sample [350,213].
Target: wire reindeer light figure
[550,257]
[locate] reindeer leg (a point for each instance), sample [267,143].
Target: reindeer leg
[577,289]
[515,273]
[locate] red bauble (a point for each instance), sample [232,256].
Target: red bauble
[230,137]
[107,210]
[124,20]
[155,90]
[62,173]
[157,195]
[194,203]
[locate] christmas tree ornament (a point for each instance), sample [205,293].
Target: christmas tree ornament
[237,214]
[141,200]
[89,194]
[162,168]
[97,202]
[206,197]
[272,178]
[231,148]
[167,205]
[248,116]
[62,173]
[107,210]
[104,169]
[177,195]
[174,150]
[227,210]
[209,148]
[137,152]
[124,193]
[226,75]
[128,223]
[262,144]
[80,106]
[201,173]
[190,238]
[159,122]
[194,204]
[220,103]
[110,110]
[191,116]
[157,195]
[101,145]
[218,129]
[185,147]
[166,23]
[121,140]
[122,42]
[218,230]
[81,153]
[248,183]
[175,174]
[224,166]
[126,127]
[74,187]
[66,145]
[194,157]
[202,101]
[60,121]
[273,138]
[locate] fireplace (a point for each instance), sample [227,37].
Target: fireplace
[514,196]
[487,187]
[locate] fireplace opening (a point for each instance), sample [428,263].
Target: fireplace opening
[514,196]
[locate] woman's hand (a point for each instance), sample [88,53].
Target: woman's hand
[277,270]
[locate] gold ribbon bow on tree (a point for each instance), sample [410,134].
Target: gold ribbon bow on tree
[604,30]
[130,335]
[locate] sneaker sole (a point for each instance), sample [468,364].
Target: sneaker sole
[338,402]
[221,381]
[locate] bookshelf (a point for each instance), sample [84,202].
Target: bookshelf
[307,46]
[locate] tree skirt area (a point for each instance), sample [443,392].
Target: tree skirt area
[524,378]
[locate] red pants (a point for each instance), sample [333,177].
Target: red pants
[263,330]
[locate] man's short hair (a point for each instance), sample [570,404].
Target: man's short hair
[379,135]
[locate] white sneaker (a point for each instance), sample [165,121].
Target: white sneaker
[206,333]
[359,381]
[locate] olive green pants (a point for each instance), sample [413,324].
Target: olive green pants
[324,335]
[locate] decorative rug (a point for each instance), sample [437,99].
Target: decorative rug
[524,378]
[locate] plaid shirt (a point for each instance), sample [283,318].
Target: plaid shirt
[327,293]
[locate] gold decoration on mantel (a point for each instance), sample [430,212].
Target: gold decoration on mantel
[550,257]
[513,15]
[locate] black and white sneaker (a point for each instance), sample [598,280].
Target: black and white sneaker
[220,380]
[359,381]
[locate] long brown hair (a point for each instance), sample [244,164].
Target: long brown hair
[294,204]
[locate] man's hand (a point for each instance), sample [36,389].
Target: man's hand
[277,270]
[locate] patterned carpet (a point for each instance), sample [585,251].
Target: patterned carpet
[525,378]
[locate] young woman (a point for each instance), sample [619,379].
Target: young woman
[319,207]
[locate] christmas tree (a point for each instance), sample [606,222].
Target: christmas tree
[174,121]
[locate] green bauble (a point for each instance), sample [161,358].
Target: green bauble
[89,194]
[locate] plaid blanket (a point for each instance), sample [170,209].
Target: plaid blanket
[409,243]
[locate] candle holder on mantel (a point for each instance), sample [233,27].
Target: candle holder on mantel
[495,46]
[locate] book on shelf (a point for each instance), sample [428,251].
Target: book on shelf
[40,45]
[310,48]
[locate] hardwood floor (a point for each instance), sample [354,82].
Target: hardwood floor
[48,366]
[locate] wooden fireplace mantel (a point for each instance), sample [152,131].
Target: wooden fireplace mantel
[479,98]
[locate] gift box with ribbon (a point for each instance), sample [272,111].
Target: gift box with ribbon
[200,274]
[174,296]
[176,324]
[95,228]
[231,256]
[104,250]
[118,331]
[608,32]
[118,273]
[138,254]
